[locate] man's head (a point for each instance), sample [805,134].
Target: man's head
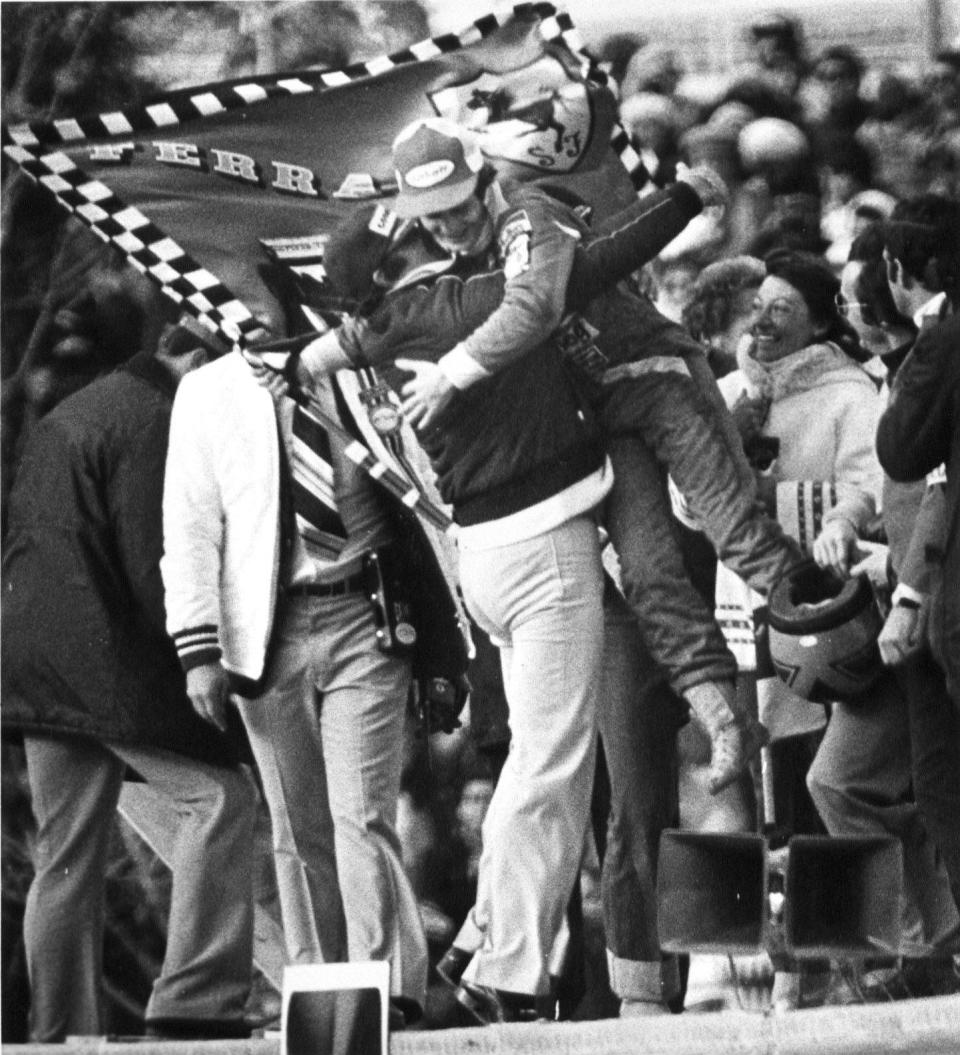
[840,70]
[922,251]
[777,38]
[865,299]
[439,167]
[188,343]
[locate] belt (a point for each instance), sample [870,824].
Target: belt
[352,584]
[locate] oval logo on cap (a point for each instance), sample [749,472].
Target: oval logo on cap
[430,174]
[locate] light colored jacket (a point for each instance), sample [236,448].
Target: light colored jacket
[824,409]
[221,518]
[222,529]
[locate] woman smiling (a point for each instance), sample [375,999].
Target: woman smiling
[801,383]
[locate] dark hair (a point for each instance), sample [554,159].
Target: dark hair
[871,285]
[617,50]
[813,278]
[764,99]
[708,312]
[923,233]
[845,54]
[843,154]
[791,230]
[352,256]
[778,24]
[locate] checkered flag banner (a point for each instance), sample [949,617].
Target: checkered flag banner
[225,194]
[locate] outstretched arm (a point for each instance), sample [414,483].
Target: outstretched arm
[632,237]
[426,321]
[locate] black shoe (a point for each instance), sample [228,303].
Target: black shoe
[882,987]
[491,1006]
[452,964]
[403,1013]
[195,1029]
[931,976]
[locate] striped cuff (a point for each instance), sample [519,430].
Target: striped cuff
[197,645]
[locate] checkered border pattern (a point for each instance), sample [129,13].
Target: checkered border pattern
[210,100]
[150,250]
[187,283]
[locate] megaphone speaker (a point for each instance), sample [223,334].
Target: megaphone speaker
[711,892]
[843,896]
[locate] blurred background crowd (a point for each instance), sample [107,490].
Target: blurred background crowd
[818,129]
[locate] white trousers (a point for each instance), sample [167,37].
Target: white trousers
[540,601]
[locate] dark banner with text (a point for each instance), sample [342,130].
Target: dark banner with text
[221,192]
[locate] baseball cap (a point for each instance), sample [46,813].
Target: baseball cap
[437,164]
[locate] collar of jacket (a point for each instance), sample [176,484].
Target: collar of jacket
[893,360]
[147,367]
[811,367]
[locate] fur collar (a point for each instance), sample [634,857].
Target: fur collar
[811,367]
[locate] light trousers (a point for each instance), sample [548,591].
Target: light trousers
[327,736]
[540,601]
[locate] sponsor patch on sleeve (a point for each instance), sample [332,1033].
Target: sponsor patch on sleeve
[576,339]
[514,244]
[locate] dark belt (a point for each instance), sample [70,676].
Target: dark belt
[353,584]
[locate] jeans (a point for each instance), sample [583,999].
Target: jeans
[75,786]
[327,736]
[639,718]
[674,420]
[860,781]
[540,601]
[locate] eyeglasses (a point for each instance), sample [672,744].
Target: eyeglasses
[846,307]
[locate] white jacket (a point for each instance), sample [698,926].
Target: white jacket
[221,524]
[221,518]
[824,410]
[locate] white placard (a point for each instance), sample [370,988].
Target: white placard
[335,1009]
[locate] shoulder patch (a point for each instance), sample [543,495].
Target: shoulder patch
[576,338]
[513,244]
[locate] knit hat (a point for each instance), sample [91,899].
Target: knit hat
[437,164]
[811,276]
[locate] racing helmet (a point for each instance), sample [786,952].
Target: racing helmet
[823,633]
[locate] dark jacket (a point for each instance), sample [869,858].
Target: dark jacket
[919,431]
[84,649]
